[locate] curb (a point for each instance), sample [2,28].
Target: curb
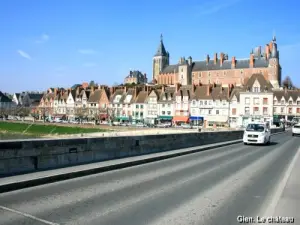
[70,175]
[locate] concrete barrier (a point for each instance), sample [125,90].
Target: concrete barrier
[21,156]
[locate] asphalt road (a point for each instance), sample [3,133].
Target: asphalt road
[212,187]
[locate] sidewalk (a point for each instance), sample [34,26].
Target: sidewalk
[289,202]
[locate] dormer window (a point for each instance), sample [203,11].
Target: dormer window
[256,89]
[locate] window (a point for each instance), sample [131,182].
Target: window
[141,114]
[282,102]
[265,101]
[217,112]
[298,110]
[265,110]
[142,106]
[274,110]
[247,110]
[210,102]
[169,113]
[137,106]
[209,111]
[247,101]
[163,112]
[290,102]
[205,102]
[282,109]
[233,111]
[256,89]
[201,103]
[209,74]
[194,102]
[256,101]
[255,109]
[290,111]
[163,105]
[298,102]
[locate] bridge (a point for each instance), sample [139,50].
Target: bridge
[224,185]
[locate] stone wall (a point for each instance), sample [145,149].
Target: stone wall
[21,156]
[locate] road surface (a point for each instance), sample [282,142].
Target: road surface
[211,187]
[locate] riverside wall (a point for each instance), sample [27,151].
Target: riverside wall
[30,155]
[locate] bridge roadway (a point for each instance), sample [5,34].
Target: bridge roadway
[210,187]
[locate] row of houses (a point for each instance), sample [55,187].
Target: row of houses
[213,105]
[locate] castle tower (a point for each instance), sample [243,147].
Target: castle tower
[160,59]
[274,66]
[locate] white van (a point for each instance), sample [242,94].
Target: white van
[257,133]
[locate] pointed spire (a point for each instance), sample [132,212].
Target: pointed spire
[274,37]
[161,51]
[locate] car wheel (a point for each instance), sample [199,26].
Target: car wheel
[245,143]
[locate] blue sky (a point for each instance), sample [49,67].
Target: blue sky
[61,42]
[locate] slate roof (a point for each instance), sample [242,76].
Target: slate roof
[4,98]
[96,95]
[236,92]
[135,74]
[259,62]
[201,93]
[287,94]
[141,98]
[261,80]
[34,96]
[169,92]
[161,51]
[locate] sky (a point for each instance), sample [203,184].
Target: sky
[58,43]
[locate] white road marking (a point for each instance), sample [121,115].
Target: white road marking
[28,216]
[276,197]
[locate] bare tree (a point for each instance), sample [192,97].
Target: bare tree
[111,113]
[287,83]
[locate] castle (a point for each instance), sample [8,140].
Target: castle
[220,70]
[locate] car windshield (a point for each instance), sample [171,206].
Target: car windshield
[297,126]
[255,127]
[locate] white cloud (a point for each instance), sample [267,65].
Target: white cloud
[24,54]
[87,51]
[43,38]
[215,6]
[89,64]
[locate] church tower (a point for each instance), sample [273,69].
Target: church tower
[160,59]
[274,66]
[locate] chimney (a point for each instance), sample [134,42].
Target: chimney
[92,89]
[77,91]
[267,51]
[207,59]
[208,90]
[251,60]
[215,58]
[135,91]
[221,58]
[271,46]
[177,87]
[233,62]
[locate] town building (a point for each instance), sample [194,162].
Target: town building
[139,105]
[152,109]
[136,77]
[183,95]
[166,104]
[210,105]
[219,70]
[286,104]
[97,102]
[6,104]
[256,100]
